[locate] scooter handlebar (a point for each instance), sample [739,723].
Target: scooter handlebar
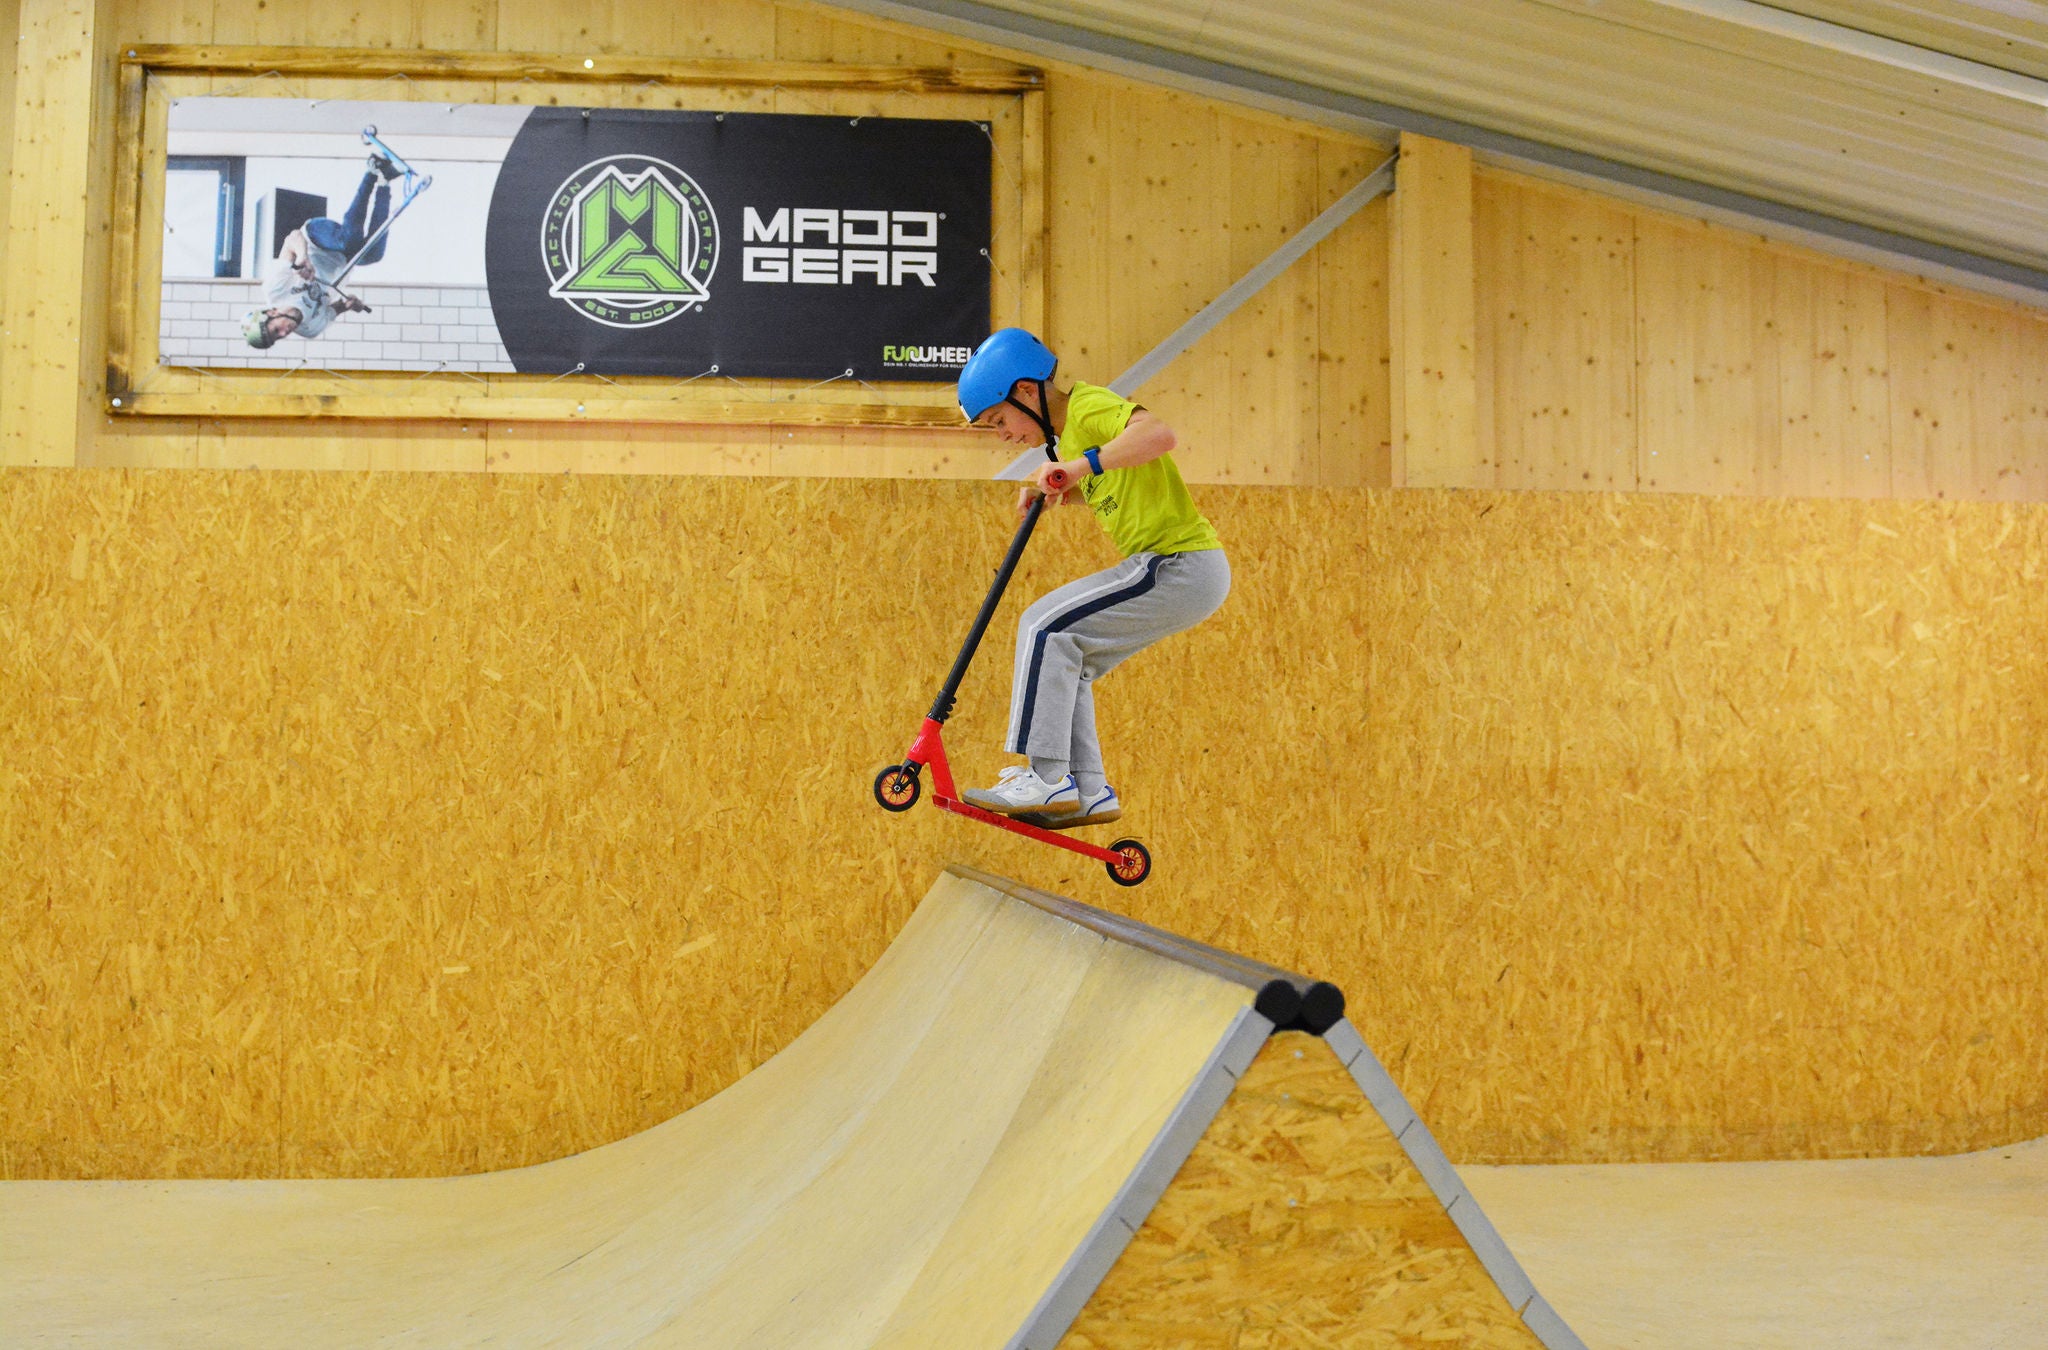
[1059,479]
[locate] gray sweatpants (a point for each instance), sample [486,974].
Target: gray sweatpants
[1082,631]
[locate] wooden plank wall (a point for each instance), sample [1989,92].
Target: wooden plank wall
[1292,390]
[1432,321]
[414,823]
[1615,346]
[1621,347]
[44,326]
[10,28]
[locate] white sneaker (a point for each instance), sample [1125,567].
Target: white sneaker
[1100,810]
[1020,790]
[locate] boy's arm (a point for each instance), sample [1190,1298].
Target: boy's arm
[1143,439]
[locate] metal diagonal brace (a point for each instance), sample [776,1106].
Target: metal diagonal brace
[1374,184]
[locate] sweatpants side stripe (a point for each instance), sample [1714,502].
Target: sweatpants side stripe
[1113,579]
[1074,616]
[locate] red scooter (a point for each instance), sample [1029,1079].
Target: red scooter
[898,787]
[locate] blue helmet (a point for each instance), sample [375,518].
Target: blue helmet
[1007,356]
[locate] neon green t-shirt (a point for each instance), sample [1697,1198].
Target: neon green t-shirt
[1146,509]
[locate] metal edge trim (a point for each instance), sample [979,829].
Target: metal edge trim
[1435,1166]
[1112,1232]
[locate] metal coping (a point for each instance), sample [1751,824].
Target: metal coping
[1291,1001]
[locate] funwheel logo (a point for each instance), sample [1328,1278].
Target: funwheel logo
[630,242]
[912,355]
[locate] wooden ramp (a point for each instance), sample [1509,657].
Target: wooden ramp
[964,1152]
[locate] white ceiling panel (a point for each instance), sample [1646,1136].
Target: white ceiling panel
[1861,118]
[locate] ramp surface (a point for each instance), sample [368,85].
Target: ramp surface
[956,1154]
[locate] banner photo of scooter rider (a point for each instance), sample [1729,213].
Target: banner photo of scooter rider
[375,235]
[331,234]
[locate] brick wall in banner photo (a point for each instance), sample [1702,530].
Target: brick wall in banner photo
[407,328]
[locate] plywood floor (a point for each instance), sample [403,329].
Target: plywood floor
[1853,1255]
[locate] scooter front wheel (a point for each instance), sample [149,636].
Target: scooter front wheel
[898,787]
[1133,864]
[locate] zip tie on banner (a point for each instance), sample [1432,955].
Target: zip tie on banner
[846,374]
[250,84]
[282,378]
[439,367]
[576,369]
[997,227]
[730,379]
[1016,284]
[804,97]
[394,75]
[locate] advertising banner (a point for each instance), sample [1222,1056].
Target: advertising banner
[406,236]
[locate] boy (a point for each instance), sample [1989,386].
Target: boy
[1172,577]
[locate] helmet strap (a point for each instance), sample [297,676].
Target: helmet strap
[1044,419]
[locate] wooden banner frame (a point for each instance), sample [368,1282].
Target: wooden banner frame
[140,384]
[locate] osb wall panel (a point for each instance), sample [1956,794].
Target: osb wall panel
[1298,1224]
[409,824]
[1621,347]
[1292,389]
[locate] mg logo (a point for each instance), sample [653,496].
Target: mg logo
[629,242]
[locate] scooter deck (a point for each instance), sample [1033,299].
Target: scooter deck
[1016,826]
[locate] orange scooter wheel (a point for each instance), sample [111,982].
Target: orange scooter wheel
[1133,864]
[898,787]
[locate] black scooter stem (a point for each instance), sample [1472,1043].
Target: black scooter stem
[942,706]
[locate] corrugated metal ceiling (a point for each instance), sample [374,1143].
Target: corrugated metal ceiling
[1640,85]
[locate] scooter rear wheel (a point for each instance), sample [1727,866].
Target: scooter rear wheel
[898,787]
[1133,864]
